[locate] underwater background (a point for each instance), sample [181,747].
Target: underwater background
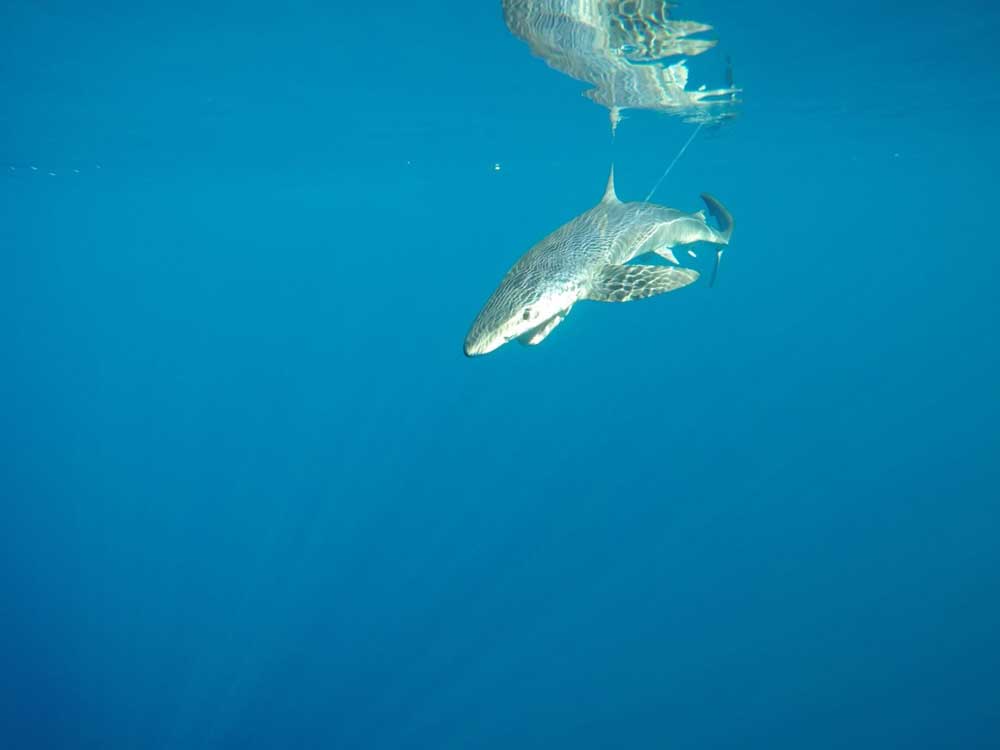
[254,495]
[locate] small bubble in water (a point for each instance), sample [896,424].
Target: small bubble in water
[34,168]
[496,167]
[52,174]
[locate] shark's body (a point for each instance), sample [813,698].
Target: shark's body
[585,259]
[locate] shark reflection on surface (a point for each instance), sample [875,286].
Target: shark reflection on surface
[618,47]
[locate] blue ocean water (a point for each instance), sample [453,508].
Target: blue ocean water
[256,497]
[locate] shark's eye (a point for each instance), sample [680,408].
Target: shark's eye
[527,314]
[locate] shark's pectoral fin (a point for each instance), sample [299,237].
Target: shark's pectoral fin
[537,335]
[626,283]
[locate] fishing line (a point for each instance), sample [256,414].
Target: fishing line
[676,159]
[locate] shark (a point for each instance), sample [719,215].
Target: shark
[588,258]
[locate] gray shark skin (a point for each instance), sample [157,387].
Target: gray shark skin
[585,259]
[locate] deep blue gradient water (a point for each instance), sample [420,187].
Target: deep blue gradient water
[254,496]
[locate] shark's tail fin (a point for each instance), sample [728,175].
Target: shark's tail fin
[725,221]
[715,268]
[720,214]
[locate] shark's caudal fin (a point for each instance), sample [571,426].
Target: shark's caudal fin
[720,214]
[715,267]
[725,221]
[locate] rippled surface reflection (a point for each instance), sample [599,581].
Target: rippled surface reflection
[620,47]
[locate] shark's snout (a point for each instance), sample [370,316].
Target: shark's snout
[487,331]
[486,334]
[520,311]
[473,340]
[476,345]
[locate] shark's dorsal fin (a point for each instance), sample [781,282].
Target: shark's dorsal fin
[609,191]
